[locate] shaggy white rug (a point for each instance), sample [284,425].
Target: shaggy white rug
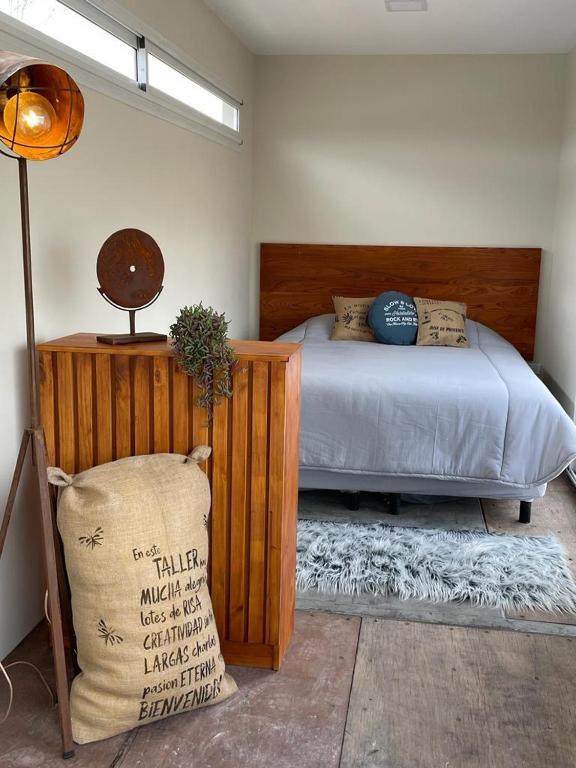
[488,569]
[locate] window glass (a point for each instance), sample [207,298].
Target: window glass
[167,79]
[74,30]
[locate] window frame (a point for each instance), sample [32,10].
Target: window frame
[155,50]
[137,93]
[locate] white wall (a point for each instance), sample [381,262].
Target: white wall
[129,169]
[422,150]
[558,349]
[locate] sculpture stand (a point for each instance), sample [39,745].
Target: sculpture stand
[132,337]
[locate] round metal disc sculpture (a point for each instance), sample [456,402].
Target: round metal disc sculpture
[130,271]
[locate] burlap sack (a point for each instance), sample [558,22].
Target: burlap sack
[351,323]
[441,323]
[136,548]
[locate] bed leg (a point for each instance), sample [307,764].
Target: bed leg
[525,511]
[352,500]
[394,499]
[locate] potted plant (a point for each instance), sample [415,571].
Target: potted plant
[200,336]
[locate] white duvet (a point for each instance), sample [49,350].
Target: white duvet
[439,412]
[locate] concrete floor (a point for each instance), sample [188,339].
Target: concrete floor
[360,690]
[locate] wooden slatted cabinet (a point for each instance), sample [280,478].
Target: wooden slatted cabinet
[101,403]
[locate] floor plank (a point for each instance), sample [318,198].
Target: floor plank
[290,718]
[392,607]
[330,505]
[455,614]
[31,735]
[428,696]
[554,514]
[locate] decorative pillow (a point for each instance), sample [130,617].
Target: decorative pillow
[441,323]
[351,322]
[394,319]
[136,547]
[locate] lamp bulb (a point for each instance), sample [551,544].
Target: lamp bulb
[30,114]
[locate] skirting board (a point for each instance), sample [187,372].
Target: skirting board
[260,655]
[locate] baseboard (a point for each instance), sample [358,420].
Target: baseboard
[261,655]
[565,401]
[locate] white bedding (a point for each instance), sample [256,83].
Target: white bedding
[477,416]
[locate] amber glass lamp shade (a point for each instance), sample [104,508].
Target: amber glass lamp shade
[41,108]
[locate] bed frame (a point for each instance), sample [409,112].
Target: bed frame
[499,285]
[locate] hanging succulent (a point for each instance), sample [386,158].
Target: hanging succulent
[201,346]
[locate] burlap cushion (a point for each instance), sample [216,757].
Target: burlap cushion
[136,548]
[441,323]
[351,322]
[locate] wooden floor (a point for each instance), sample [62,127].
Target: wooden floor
[362,691]
[354,693]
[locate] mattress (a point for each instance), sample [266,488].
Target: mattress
[410,418]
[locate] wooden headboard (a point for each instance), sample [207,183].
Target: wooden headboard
[500,285]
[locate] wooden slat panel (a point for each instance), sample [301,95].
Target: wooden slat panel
[289,519]
[161,405]
[122,407]
[275,499]
[180,407]
[239,500]
[103,375]
[220,517]
[200,427]
[84,396]
[142,406]
[500,285]
[258,506]
[106,406]
[47,409]
[67,433]
[199,417]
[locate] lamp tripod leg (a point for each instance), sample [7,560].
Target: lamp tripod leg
[14,488]
[56,629]
[59,653]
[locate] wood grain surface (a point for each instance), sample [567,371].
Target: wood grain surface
[432,696]
[499,285]
[394,694]
[294,718]
[100,404]
[245,350]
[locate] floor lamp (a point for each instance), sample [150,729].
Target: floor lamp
[41,115]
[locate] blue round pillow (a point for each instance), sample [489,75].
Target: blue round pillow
[393,318]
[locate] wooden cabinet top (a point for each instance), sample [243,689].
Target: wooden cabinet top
[246,350]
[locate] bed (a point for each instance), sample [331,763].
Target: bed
[426,420]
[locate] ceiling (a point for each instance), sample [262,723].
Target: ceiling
[366,27]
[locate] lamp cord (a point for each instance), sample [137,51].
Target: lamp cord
[4,672]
